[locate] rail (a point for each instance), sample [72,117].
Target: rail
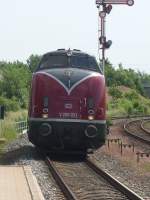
[137,136]
[114,182]
[129,117]
[70,193]
[60,181]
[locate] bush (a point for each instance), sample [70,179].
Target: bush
[14,84]
[131,103]
[10,104]
[126,105]
[131,95]
[115,92]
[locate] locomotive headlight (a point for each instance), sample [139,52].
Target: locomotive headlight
[91,111]
[91,117]
[45,116]
[91,114]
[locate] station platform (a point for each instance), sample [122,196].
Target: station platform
[18,183]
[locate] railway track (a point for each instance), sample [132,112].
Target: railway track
[84,180]
[131,117]
[145,125]
[134,129]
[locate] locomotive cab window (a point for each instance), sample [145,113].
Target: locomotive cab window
[53,61]
[75,60]
[84,62]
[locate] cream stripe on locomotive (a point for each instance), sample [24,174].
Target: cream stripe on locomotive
[68,120]
[69,90]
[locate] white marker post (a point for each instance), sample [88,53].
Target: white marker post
[104,8]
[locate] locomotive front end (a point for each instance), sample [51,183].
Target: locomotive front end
[67,105]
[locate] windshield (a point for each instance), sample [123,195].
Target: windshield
[75,61]
[54,61]
[84,62]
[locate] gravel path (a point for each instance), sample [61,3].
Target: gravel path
[21,152]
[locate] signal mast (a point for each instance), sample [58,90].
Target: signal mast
[104,8]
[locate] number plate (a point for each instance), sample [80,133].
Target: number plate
[68,115]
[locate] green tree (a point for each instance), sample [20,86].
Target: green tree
[33,62]
[15,82]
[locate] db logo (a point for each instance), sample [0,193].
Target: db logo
[68,73]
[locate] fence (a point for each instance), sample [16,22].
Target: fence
[122,146]
[21,126]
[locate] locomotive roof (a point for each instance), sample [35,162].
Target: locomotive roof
[64,51]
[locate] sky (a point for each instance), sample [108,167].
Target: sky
[39,26]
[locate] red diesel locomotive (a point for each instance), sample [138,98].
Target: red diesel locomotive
[67,102]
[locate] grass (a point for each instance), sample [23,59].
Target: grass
[16,116]
[7,126]
[128,103]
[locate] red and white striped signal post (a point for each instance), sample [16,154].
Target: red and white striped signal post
[104,8]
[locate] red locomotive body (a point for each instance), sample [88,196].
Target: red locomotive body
[67,104]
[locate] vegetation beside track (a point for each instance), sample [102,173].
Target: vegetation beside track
[123,101]
[15,80]
[7,126]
